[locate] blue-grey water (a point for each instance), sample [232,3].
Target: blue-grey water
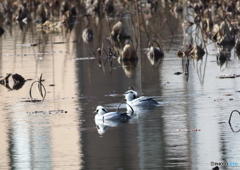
[189,129]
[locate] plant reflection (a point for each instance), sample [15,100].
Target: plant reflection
[129,67]
[18,81]
[229,121]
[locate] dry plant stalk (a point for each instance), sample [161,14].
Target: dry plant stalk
[40,87]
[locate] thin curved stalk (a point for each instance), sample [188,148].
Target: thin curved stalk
[40,87]
[30,91]
[229,121]
[126,104]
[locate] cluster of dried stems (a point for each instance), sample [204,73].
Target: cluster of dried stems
[205,22]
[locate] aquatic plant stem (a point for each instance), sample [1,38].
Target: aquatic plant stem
[40,87]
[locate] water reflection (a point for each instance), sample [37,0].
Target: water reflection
[155,59]
[129,67]
[87,33]
[141,113]
[154,155]
[16,86]
[150,140]
[103,125]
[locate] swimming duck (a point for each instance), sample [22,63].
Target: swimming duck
[135,93]
[133,100]
[103,114]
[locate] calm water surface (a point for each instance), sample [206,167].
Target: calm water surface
[156,138]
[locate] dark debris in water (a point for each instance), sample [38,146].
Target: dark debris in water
[178,73]
[187,130]
[228,95]
[82,129]
[221,122]
[167,83]
[113,95]
[36,44]
[83,58]
[219,100]
[45,53]
[33,100]
[48,112]
[64,98]
[228,76]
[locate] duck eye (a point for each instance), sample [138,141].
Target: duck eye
[97,127]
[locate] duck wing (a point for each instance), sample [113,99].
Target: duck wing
[144,98]
[111,116]
[144,101]
[116,116]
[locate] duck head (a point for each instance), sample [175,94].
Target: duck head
[130,95]
[100,110]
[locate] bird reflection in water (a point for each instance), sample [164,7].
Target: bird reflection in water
[103,125]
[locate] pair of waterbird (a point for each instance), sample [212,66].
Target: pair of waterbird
[132,100]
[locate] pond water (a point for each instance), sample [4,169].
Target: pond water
[189,129]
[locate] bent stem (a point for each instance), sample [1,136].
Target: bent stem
[229,121]
[40,87]
[126,104]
